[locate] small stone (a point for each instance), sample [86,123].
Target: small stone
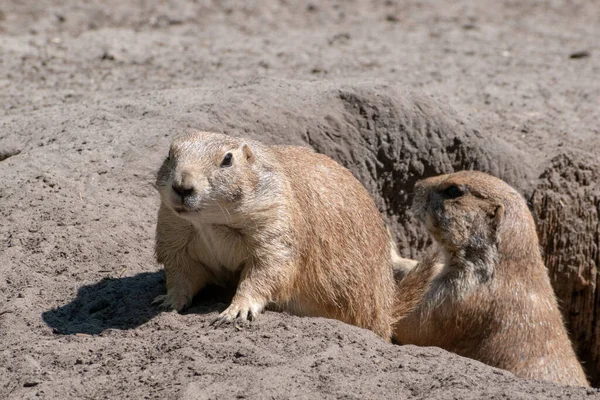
[579,54]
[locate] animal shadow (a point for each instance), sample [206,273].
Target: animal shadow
[124,303]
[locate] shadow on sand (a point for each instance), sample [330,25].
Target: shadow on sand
[124,303]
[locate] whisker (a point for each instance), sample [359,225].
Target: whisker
[225,213]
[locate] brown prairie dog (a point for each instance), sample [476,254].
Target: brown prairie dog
[492,301]
[290,227]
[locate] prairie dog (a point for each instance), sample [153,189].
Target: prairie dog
[288,226]
[492,301]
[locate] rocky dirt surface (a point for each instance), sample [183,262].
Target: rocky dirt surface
[92,92]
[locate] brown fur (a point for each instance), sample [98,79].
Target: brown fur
[492,301]
[412,284]
[291,227]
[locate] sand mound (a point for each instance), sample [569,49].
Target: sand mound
[93,92]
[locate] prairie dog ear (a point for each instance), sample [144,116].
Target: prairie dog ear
[497,219]
[499,214]
[248,153]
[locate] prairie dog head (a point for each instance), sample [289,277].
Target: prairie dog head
[469,212]
[205,176]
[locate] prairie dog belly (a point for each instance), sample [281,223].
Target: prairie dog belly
[220,249]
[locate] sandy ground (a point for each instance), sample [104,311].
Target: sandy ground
[92,92]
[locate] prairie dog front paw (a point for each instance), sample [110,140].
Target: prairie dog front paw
[170,301]
[241,310]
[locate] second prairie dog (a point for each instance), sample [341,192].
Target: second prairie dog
[492,300]
[290,227]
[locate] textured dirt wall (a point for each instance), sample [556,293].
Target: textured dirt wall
[566,204]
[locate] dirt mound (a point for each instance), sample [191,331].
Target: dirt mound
[93,92]
[94,217]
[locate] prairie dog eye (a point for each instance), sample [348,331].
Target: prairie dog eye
[453,192]
[227,160]
[170,155]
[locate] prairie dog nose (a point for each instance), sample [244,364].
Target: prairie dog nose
[183,190]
